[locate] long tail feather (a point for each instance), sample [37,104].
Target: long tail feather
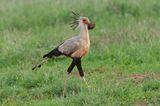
[40,64]
[54,53]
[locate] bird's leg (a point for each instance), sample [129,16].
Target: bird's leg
[85,82]
[65,83]
[79,66]
[70,68]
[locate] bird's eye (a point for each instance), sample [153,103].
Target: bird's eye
[84,20]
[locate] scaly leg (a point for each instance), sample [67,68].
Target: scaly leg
[85,82]
[65,84]
[70,68]
[79,66]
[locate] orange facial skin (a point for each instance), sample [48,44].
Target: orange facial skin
[90,25]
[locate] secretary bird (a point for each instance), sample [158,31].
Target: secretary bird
[75,47]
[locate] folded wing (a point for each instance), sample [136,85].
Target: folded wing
[70,46]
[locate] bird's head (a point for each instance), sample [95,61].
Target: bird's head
[81,21]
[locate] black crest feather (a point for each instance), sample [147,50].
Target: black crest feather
[75,16]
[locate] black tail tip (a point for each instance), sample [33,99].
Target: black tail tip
[33,68]
[36,67]
[39,66]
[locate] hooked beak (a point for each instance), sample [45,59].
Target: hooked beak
[91,25]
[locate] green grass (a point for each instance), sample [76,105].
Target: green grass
[122,67]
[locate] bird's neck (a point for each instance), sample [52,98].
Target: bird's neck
[84,33]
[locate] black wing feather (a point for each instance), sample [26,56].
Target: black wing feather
[55,52]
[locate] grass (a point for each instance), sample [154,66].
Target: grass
[122,66]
